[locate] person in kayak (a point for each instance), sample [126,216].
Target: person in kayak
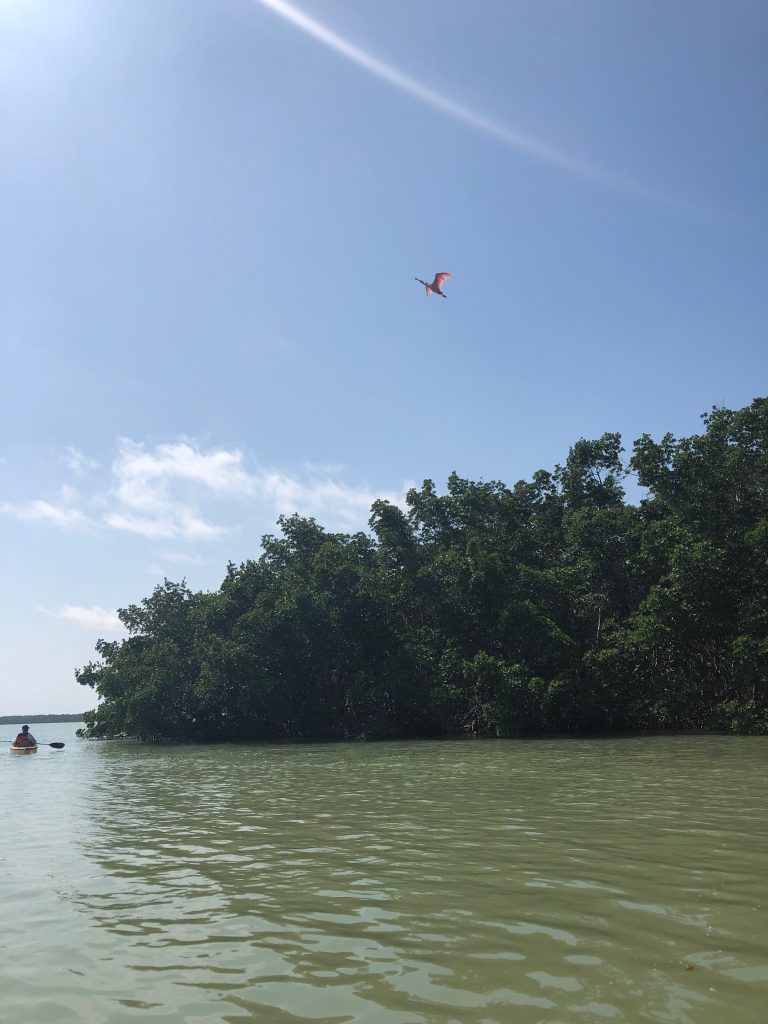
[25,738]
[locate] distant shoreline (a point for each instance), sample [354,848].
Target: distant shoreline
[12,719]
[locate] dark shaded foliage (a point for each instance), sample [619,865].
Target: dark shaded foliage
[553,607]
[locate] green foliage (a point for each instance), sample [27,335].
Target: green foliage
[553,607]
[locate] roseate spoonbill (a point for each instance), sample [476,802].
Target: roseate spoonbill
[435,286]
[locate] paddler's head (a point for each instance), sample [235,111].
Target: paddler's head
[25,728]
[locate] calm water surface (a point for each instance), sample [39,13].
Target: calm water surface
[573,882]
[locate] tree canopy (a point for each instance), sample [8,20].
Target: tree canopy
[555,606]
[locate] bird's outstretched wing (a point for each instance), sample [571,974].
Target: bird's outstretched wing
[439,278]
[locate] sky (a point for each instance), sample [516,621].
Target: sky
[213,213]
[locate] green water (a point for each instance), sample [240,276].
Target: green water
[572,882]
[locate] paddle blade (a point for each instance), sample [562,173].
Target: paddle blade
[57,745]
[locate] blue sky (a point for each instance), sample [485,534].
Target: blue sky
[214,211]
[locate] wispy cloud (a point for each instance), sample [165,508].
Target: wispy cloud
[517,140]
[44,511]
[158,491]
[143,525]
[178,522]
[144,477]
[160,487]
[179,491]
[88,618]
[326,498]
[168,558]
[78,462]
[181,558]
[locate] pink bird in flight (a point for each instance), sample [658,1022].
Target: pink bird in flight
[435,286]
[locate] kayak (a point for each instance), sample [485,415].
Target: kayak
[23,750]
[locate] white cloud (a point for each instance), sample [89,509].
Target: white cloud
[330,501]
[143,478]
[182,492]
[167,558]
[155,528]
[181,558]
[91,618]
[161,488]
[88,618]
[40,510]
[158,491]
[179,523]
[190,527]
[78,462]
[69,495]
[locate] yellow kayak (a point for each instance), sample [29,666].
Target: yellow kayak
[23,750]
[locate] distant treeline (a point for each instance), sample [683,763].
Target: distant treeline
[554,607]
[14,719]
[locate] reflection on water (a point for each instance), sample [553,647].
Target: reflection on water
[547,882]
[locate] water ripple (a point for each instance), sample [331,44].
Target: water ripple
[545,883]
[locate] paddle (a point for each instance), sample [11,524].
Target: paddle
[57,745]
